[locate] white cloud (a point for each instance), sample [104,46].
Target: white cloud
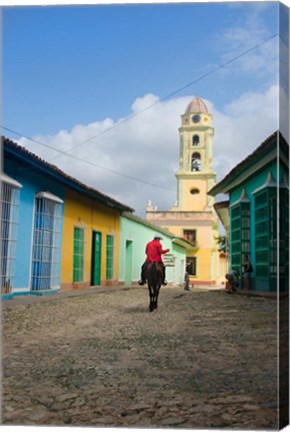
[146,146]
[250,31]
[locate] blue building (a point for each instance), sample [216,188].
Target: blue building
[256,215]
[33,196]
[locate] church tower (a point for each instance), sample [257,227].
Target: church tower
[193,216]
[195,176]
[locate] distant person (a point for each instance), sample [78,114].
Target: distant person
[154,253]
[248,269]
[233,279]
[186,280]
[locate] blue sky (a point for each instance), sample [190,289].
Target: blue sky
[74,72]
[68,65]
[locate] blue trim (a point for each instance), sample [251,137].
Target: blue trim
[16,294]
[40,293]
[6,296]
[37,293]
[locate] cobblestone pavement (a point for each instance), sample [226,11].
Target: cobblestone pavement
[204,359]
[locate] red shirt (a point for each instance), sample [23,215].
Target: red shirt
[154,251]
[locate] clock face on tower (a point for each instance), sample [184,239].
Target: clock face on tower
[196,118]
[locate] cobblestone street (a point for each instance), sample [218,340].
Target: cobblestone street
[204,359]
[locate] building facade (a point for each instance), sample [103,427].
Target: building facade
[56,232]
[193,216]
[135,234]
[258,214]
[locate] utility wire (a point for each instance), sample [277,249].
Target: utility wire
[170,94]
[88,162]
[68,153]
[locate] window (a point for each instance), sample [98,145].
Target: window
[266,233]
[240,234]
[46,242]
[195,162]
[194,191]
[284,238]
[191,265]
[9,226]
[195,140]
[190,235]
[110,257]
[79,254]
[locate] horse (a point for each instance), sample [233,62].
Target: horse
[154,276]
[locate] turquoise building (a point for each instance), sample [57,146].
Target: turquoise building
[256,215]
[135,234]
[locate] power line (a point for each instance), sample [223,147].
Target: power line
[89,162]
[171,94]
[68,153]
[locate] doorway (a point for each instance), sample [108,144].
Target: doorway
[96,258]
[128,269]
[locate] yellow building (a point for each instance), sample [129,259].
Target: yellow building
[193,216]
[91,238]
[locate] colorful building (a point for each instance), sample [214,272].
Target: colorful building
[135,234]
[256,216]
[193,217]
[56,232]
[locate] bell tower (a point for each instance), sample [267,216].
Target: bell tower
[195,175]
[192,216]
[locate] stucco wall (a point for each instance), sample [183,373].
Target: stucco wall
[32,182]
[80,211]
[134,237]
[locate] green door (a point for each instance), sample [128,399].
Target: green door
[128,274]
[96,258]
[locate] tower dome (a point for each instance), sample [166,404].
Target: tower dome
[196,105]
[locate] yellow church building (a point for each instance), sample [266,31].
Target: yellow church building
[193,216]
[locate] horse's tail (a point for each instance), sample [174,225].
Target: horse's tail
[154,273]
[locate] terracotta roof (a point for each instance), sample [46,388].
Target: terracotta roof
[21,153]
[253,156]
[196,105]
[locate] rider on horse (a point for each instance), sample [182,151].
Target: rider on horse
[154,253]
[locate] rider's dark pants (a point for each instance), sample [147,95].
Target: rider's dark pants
[143,270]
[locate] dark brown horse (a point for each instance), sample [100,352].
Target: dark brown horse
[154,276]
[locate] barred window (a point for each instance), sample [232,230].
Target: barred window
[190,235]
[191,265]
[46,249]
[110,257]
[79,254]
[10,192]
[240,234]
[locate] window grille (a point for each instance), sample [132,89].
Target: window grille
[284,238]
[110,257]
[240,234]
[191,265]
[10,193]
[79,254]
[266,233]
[46,243]
[190,235]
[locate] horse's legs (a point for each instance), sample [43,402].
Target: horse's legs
[156,296]
[151,297]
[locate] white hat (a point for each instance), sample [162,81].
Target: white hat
[158,236]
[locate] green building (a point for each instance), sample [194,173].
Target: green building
[256,215]
[135,234]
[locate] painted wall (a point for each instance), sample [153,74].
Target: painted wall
[80,211]
[250,185]
[134,237]
[32,182]
[208,269]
